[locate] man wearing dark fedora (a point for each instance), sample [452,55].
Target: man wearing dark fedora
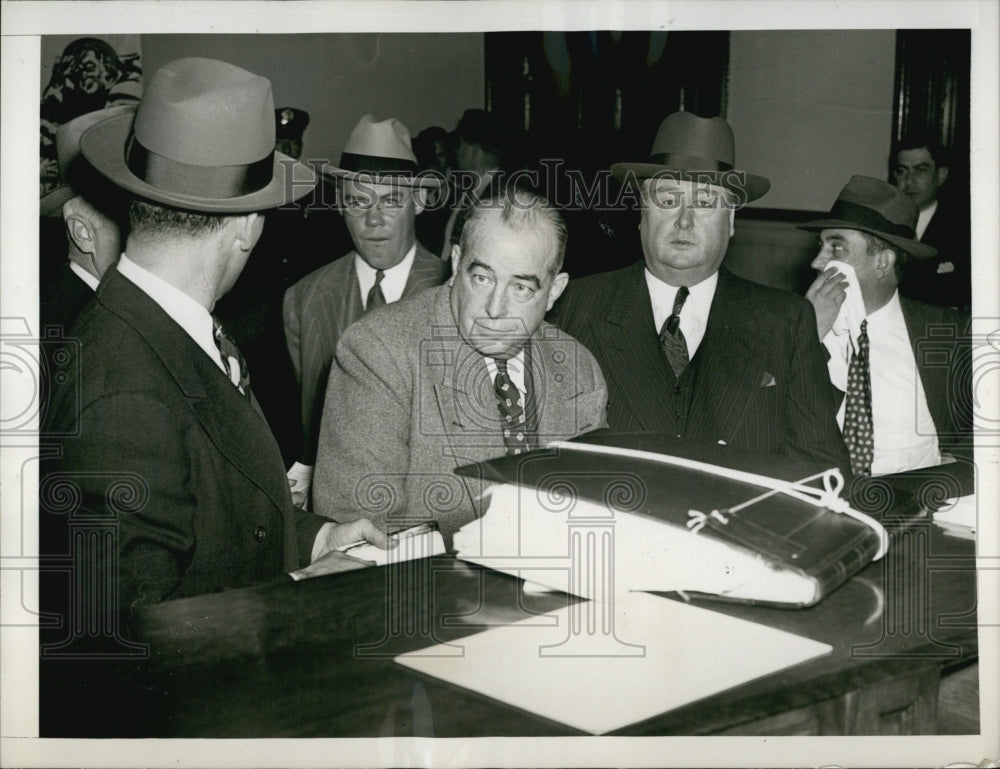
[901,367]
[688,348]
[92,211]
[381,194]
[161,439]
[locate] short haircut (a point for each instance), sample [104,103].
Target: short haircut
[150,220]
[920,140]
[874,244]
[519,210]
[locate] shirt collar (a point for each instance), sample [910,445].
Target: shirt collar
[890,312]
[85,276]
[182,309]
[393,281]
[694,313]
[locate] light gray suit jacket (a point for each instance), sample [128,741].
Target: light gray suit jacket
[318,309]
[408,401]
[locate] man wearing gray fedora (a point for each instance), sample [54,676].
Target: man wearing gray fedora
[901,368]
[688,348]
[161,439]
[381,195]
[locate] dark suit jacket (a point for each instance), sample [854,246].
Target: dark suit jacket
[409,400]
[947,278]
[756,335]
[157,443]
[63,300]
[318,309]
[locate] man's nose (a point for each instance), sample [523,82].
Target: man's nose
[685,219]
[821,261]
[496,305]
[374,216]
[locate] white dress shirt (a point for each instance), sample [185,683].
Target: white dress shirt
[905,436]
[694,313]
[183,310]
[85,276]
[393,281]
[924,218]
[515,370]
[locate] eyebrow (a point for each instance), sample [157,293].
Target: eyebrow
[473,263]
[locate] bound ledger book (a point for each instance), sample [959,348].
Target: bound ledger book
[605,514]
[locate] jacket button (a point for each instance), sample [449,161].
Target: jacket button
[260,534]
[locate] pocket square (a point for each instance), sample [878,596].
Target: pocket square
[767,380]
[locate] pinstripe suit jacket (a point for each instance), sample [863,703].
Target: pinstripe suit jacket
[760,380]
[409,400]
[318,309]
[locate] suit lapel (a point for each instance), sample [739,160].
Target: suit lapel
[426,271]
[636,366]
[730,363]
[933,378]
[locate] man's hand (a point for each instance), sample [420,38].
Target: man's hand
[827,293]
[330,560]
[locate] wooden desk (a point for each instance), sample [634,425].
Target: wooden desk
[315,658]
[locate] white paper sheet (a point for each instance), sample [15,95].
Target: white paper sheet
[663,654]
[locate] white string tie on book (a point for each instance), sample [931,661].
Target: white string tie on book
[828,496]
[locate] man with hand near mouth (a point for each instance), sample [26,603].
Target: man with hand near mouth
[465,372]
[689,349]
[901,367]
[381,194]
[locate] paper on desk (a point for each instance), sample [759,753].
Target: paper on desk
[663,654]
[419,546]
[958,516]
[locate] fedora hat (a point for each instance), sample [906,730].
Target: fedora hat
[68,153]
[696,149]
[202,140]
[380,152]
[879,208]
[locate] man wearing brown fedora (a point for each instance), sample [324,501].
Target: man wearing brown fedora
[161,439]
[92,211]
[381,194]
[688,348]
[901,367]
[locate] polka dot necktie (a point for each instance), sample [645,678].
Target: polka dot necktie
[375,296]
[510,401]
[236,365]
[672,338]
[859,431]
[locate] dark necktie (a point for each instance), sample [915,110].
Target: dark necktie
[859,431]
[511,405]
[235,364]
[672,338]
[375,296]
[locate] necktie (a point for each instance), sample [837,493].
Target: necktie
[672,338]
[375,296]
[236,365]
[511,405]
[859,432]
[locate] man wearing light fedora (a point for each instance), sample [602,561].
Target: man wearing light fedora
[93,212]
[688,348]
[161,439]
[901,368]
[381,194]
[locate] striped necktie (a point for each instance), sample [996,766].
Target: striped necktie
[672,338]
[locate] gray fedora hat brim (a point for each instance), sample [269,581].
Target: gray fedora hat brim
[426,179]
[748,186]
[913,247]
[104,146]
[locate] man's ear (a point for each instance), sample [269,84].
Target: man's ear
[555,290]
[456,260]
[941,175]
[885,262]
[79,231]
[419,200]
[247,230]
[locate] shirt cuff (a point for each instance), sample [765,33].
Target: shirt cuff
[300,472]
